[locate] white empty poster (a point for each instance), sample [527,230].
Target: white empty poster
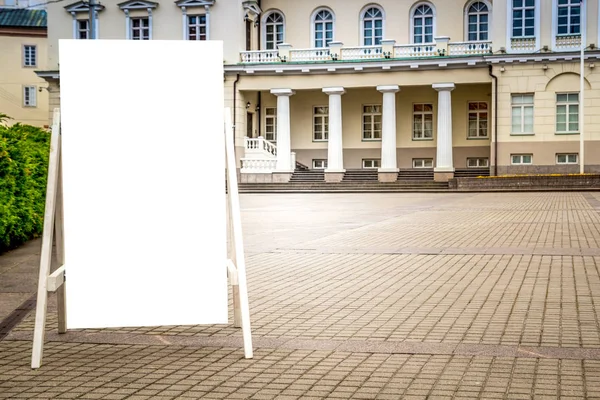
[143,180]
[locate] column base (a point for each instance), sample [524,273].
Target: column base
[334,176]
[281,177]
[387,175]
[442,176]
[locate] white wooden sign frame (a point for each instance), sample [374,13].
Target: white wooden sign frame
[54,229]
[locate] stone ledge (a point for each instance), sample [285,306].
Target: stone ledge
[528,182]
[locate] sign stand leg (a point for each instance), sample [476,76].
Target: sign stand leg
[46,254]
[236,265]
[61,292]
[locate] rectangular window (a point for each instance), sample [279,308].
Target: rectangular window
[422,121]
[422,162]
[320,123]
[567,112]
[271,124]
[319,164]
[371,164]
[140,28]
[567,158]
[29,96]
[523,18]
[372,122]
[83,29]
[521,159]
[522,114]
[30,56]
[478,119]
[196,27]
[480,162]
[569,17]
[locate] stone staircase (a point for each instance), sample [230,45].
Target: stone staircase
[308,176]
[360,175]
[415,175]
[471,172]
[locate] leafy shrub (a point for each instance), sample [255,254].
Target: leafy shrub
[24,152]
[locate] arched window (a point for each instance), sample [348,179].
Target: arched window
[422,22]
[323,28]
[478,18]
[372,26]
[274,26]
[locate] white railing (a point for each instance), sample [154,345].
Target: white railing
[259,148]
[310,55]
[522,44]
[415,50]
[262,56]
[362,52]
[469,48]
[568,42]
[250,166]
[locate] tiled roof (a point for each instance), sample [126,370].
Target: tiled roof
[23,18]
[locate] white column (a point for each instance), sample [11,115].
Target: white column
[284,149]
[207,9]
[184,22]
[74,24]
[444,162]
[388,134]
[127,25]
[335,154]
[150,23]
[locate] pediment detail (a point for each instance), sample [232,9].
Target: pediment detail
[195,3]
[137,5]
[82,6]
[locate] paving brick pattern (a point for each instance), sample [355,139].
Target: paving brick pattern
[364,296]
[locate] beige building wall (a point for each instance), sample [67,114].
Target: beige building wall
[14,77]
[226,24]
[544,81]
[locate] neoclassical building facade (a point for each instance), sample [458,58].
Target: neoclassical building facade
[394,85]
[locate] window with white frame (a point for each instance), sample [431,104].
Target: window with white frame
[323,28]
[371,163]
[569,17]
[522,114]
[271,124]
[29,55]
[372,122]
[523,18]
[422,121]
[477,162]
[567,158]
[521,159]
[29,96]
[372,26]
[478,18]
[422,162]
[422,21]
[274,30]
[567,112]
[319,164]
[320,123]
[478,119]
[140,28]
[196,27]
[83,29]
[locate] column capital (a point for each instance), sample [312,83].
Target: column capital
[444,86]
[388,88]
[334,90]
[282,92]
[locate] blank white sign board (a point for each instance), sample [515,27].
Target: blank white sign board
[143,182]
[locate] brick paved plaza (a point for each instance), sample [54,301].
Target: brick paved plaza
[388,296]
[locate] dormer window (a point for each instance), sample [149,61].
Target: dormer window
[80,12]
[196,18]
[138,27]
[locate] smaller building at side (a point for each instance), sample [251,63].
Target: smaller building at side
[23,50]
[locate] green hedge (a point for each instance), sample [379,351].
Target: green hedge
[24,152]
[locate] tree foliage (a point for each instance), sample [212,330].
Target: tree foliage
[24,152]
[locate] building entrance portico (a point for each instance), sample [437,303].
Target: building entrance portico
[385,128]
